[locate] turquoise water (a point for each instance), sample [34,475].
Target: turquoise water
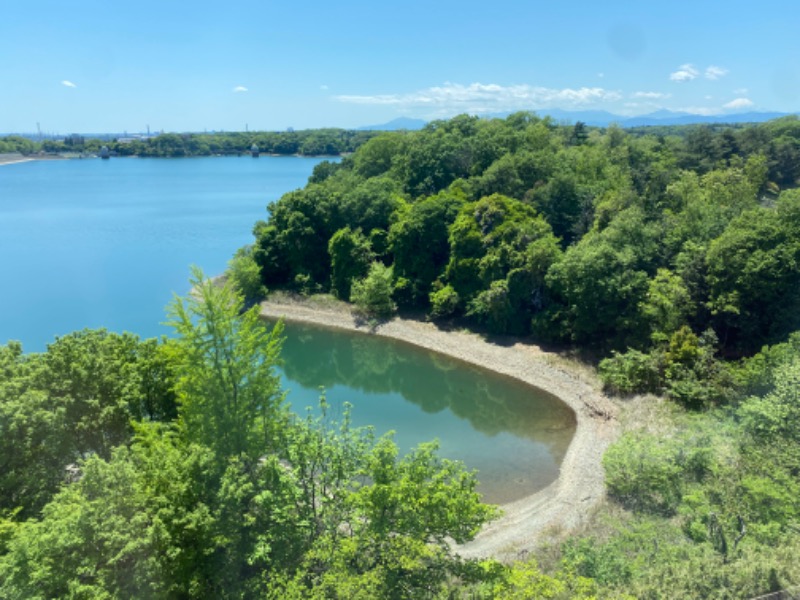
[514,435]
[91,243]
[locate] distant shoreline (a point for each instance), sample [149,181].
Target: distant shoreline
[13,159]
[9,159]
[567,502]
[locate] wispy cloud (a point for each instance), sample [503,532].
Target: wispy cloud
[704,111]
[738,103]
[650,95]
[714,72]
[483,98]
[741,91]
[239,89]
[323,87]
[688,72]
[685,72]
[68,84]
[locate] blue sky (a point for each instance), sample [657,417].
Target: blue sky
[90,66]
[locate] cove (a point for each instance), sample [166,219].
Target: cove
[513,434]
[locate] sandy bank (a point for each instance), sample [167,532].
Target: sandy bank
[12,159]
[567,502]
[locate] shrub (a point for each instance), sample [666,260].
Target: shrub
[643,472]
[631,372]
[444,302]
[372,295]
[246,275]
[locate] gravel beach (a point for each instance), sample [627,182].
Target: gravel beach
[567,502]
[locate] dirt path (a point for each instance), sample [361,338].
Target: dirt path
[563,505]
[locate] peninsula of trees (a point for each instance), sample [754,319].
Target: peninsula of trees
[591,237]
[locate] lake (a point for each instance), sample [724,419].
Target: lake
[93,243]
[105,243]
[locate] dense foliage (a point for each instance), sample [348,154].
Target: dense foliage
[173,469]
[673,253]
[595,237]
[711,501]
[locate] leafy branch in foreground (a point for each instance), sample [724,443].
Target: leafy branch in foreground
[238,498]
[224,358]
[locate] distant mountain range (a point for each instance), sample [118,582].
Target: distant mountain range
[601,118]
[396,125]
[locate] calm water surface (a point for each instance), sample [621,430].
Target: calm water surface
[105,243]
[514,435]
[91,243]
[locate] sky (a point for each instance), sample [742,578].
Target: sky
[88,66]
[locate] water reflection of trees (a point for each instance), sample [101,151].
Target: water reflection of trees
[315,357]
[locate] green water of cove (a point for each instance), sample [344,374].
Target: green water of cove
[512,433]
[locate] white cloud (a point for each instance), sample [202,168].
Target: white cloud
[239,89]
[482,98]
[714,72]
[704,111]
[739,103]
[68,84]
[685,72]
[650,95]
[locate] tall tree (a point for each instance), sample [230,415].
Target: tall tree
[229,394]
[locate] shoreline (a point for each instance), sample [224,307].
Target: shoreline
[12,159]
[15,160]
[563,505]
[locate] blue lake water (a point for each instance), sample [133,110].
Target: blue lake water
[105,243]
[92,243]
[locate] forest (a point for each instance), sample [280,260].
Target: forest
[667,259]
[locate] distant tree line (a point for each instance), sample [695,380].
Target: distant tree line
[310,142]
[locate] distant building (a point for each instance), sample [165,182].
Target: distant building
[128,139]
[254,150]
